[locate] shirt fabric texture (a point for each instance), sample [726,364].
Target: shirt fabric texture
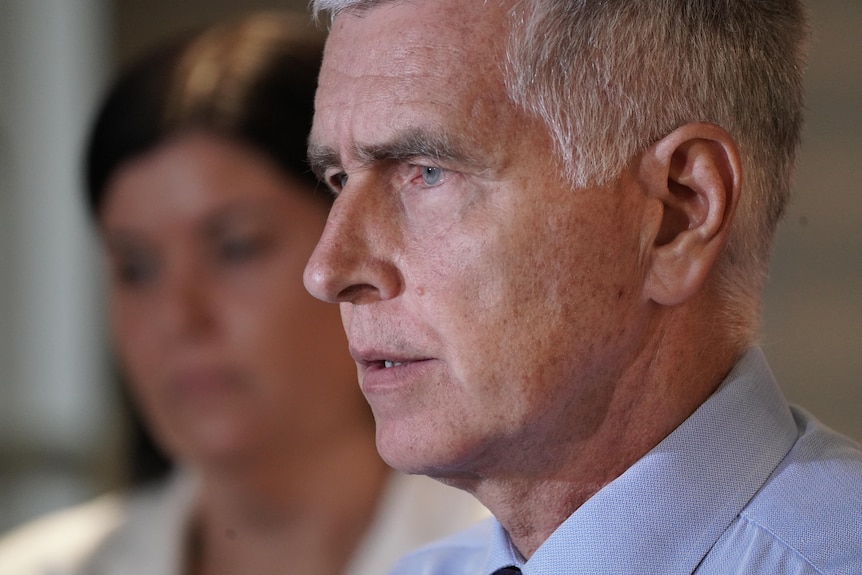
[746,485]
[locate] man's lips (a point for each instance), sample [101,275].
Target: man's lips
[387,365]
[385,370]
[385,359]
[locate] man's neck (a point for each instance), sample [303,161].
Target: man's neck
[659,391]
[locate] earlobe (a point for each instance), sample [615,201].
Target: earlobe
[694,173]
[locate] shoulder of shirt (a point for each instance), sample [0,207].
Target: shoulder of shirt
[463,552]
[58,542]
[812,502]
[414,510]
[66,541]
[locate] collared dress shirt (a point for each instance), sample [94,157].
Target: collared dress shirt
[746,485]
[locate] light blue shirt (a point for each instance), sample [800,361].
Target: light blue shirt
[746,485]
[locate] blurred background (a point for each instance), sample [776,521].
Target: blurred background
[63,434]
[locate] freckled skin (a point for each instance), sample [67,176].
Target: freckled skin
[504,274]
[548,336]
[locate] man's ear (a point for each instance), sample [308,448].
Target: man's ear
[695,174]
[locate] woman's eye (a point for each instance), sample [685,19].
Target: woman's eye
[239,249]
[431,175]
[135,272]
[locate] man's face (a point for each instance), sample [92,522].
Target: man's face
[490,308]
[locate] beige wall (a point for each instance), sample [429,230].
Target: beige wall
[813,315]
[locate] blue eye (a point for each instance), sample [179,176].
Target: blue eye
[431,175]
[337,181]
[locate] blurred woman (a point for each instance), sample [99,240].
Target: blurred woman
[197,182]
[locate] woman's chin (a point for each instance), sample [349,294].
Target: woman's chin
[214,445]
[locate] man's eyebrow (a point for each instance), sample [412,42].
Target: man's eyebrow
[416,143]
[321,158]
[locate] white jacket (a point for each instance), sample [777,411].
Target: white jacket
[143,534]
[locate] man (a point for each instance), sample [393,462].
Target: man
[549,241]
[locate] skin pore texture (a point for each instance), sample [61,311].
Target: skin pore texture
[236,368]
[517,338]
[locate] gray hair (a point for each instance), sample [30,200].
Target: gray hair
[611,77]
[334,7]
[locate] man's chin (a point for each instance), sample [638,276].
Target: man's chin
[441,460]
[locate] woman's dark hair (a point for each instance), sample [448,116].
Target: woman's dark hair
[250,80]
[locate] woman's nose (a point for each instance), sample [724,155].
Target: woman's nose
[187,310]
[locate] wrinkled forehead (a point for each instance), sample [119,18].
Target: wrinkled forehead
[435,58]
[440,36]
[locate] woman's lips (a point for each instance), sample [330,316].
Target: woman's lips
[202,384]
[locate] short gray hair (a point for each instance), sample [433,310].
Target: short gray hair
[334,7]
[611,77]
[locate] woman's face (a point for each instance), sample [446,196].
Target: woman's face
[227,355]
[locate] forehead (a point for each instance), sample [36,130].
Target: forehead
[442,58]
[397,32]
[190,178]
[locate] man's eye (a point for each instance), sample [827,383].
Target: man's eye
[431,175]
[338,181]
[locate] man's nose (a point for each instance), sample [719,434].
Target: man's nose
[354,258]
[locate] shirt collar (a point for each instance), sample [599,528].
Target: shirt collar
[666,511]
